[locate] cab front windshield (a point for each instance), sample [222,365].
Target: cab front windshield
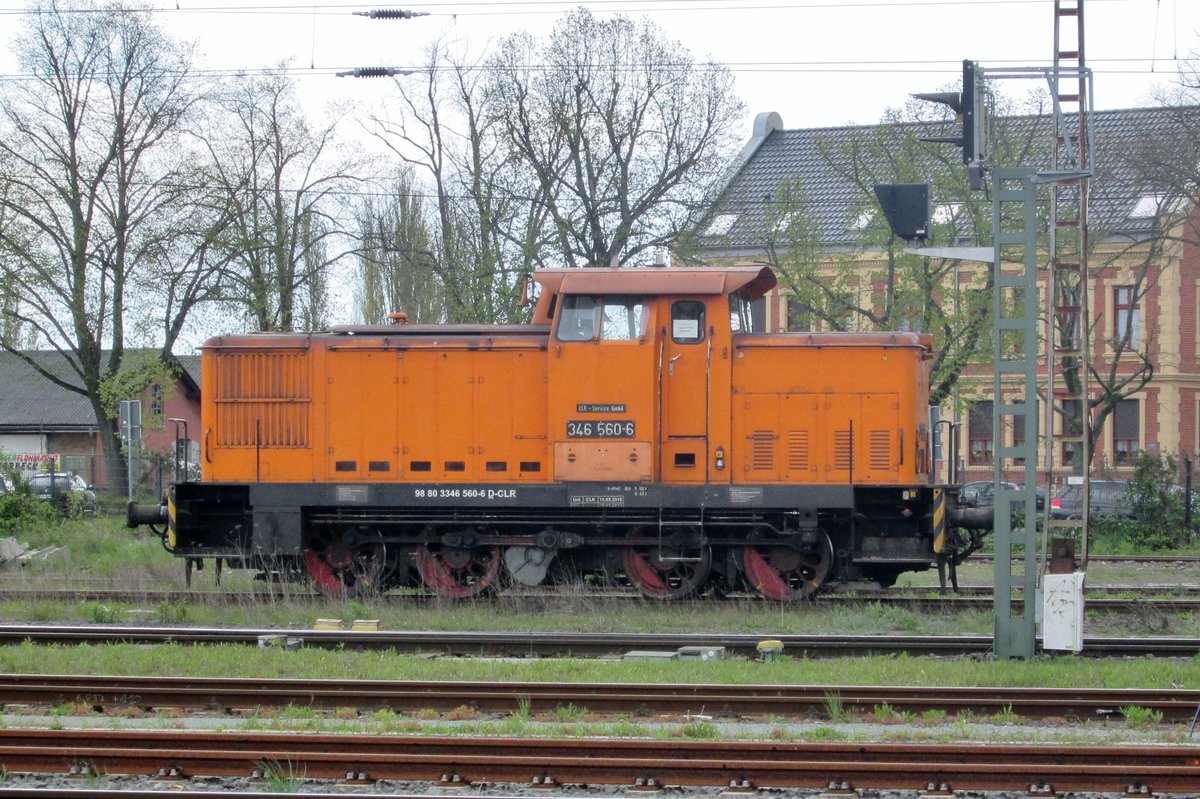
[607,318]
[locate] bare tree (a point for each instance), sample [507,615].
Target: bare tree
[1161,173]
[280,180]
[941,296]
[624,134]
[397,269]
[83,154]
[486,225]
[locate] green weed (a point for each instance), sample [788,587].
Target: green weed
[833,706]
[569,713]
[297,712]
[823,733]
[172,613]
[1004,715]
[278,778]
[885,713]
[700,730]
[385,716]
[100,614]
[1138,718]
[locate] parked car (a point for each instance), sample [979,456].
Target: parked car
[1040,491]
[67,492]
[1108,498]
[979,494]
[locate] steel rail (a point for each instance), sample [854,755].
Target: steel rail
[1183,599]
[701,699]
[988,557]
[644,763]
[569,643]
[176,788]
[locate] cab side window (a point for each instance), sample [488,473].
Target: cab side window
[577,321]
[687,322]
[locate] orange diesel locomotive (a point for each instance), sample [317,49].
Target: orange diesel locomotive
[635,430]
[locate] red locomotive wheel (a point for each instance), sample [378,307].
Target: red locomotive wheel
[458,573]
[660,572]
[786,574]
[343,570]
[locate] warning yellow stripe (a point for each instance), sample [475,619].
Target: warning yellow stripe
[939,520]
[171,518]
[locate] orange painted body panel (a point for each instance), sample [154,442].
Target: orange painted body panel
[851,411]
[334,409]
[674,398]
[361,435]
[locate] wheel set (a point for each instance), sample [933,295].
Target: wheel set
[356,563]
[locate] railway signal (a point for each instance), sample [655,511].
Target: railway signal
[970,110]
[906,208]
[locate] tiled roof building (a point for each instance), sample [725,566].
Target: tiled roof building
[39,418]
[835,169]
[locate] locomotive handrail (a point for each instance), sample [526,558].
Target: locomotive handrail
[834,339]
[409,330]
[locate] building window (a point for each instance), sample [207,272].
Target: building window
[758,315]
[1072,425]
[156,399]
[979,426]
[1018,424]
[1127,317]
[1125,431]
[799,316]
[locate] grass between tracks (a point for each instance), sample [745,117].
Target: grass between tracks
[833,722]
[232,661]
[103,554]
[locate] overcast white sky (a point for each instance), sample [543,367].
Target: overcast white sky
[816,62]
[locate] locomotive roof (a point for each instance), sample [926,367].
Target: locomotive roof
[756,280]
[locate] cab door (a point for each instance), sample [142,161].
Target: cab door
[684,382]
[603,389]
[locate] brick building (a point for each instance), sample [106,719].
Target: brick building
[40,421]
[1145,262]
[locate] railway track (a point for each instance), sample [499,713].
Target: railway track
[1169,599]
[558,644]
[986,557]
[647,764]
[181,790]
[726,701]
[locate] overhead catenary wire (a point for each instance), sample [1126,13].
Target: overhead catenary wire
[526,7]
[947,68]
